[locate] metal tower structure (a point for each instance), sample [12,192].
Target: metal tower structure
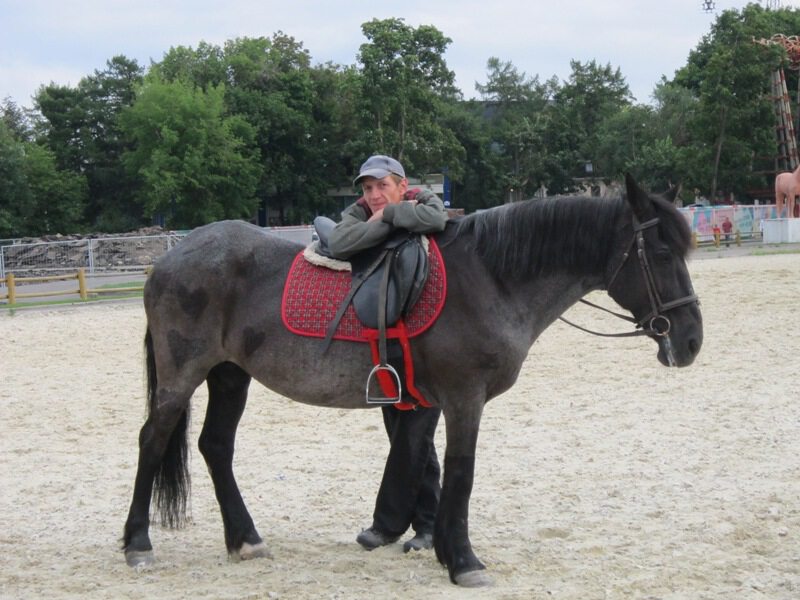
[787,157]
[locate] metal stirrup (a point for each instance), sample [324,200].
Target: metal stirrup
[383,364]
[383,399]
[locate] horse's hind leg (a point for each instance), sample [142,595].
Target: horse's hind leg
[163,471]
[227,396]
[162,464]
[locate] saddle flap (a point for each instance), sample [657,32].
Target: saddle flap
[407,262]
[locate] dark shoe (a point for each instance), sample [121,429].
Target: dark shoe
[421,541]
[372,538]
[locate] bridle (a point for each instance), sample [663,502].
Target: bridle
[655,323]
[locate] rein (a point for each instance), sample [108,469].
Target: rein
[654,323]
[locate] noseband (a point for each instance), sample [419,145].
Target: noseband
[655,323]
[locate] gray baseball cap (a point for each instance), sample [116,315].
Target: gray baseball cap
[379,166]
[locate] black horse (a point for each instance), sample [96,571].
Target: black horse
[511,271]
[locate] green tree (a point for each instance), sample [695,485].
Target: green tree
[194,164]
[64,125]
[79,125]
[405,85]
[204,66]
[481,182]
[592,94]
[15,197]
[733,123]
[112,205]
[335,109]
[35,197]
[621,137]
[17,120]
[59,196]
[271,85]
[516,117]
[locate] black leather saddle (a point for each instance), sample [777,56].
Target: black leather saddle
[389,276]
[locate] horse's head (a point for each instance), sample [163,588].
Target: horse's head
[647,275]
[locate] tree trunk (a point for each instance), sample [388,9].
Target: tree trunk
[718,154]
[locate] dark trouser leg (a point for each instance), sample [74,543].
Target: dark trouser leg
[410,489]
[430,489]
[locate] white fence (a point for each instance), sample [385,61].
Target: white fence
[112,254]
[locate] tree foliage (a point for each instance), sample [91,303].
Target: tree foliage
[405,83]
[252,129]
[194,164]
[79,126]
[733,122]
[36,197]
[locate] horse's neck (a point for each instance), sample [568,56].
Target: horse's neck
[539,302]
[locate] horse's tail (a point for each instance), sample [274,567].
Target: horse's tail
[172,483]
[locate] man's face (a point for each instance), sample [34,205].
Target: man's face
[380,192]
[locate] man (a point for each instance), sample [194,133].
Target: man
[410,488]
[380,210]
[727,227]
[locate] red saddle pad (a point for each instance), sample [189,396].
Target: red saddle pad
[312,294]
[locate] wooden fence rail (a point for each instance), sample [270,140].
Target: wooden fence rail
[12,295]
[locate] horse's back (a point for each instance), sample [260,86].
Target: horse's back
[222,249]
[217,271]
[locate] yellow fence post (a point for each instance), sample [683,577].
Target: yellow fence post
[738,238]
[83,287]
[12,292]
[694,240]
[82,284]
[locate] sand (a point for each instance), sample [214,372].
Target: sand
[601,474]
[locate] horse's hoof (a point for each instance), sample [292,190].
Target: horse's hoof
[250,551]
[139,559]
[473,579]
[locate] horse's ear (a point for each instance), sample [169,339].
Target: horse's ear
[638,198]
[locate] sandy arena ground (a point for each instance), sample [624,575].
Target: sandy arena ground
[601,474]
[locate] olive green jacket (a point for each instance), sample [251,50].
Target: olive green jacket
[354,233]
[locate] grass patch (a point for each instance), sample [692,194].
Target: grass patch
[121,284]
[768,252]
[93,298]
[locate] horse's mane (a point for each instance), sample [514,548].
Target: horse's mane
[540,237]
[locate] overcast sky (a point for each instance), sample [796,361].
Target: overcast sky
[61,41]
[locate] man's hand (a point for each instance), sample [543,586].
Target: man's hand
[376,216]
[412,194]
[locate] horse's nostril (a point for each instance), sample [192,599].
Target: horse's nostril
[694,346]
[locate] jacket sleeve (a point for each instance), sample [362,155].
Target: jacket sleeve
[426,215]
[353,233]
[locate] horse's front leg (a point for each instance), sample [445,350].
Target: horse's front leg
[451,537]
[227,396]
